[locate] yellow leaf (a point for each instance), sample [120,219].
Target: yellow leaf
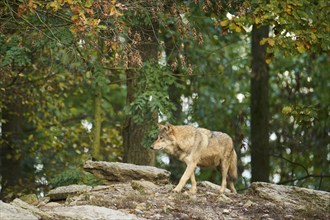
[112,10]
[257,20]
[89,3]
[61,85]
[232,26]
[54,5]
[30,137]
[268,60]
[288,10]
[238,29]
[224,23]
[300,47]
[74,17]
[313,36]
[286,110]
[263,41]
[271,42]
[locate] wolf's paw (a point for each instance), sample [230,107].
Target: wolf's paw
[177,190]
[222,190]
[192,191]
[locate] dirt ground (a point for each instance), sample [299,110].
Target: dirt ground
[206,204]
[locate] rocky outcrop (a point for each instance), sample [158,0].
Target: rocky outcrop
[291,198]
[122,172]
[32,209]
[144,199]
[12,212]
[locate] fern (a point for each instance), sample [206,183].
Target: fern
[152,93]
[74,175]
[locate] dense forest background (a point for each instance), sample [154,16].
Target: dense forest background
[84,79]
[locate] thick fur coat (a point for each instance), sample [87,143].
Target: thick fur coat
[199,147]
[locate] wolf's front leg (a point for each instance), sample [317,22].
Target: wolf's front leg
[187,174]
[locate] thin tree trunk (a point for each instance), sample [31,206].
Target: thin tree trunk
[133,133]
[98,113]
[259,107]
[97,126]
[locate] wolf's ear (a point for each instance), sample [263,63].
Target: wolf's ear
[168,127]
[160,126]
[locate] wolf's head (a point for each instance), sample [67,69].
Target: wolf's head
[165,140]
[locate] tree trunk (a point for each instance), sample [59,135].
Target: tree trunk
[97,126]
[14,167]
[259,107]
[98,112]
[172,55]
[133,133]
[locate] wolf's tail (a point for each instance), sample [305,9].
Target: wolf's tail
[232,172]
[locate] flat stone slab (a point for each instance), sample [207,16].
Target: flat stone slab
[123,172]
[11,212]
[32,209]
[91,212]
[62,192]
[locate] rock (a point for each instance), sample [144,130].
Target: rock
[292,198]
[248,204]
[223,199]
[90,212]
[183,216]
[30,199]
[289,217]
[141,206]
[144,186]
[211,186]
[122,172]
[62,192]
[138,211]
[100,188]
[156,216]
[226,212]
[11,212]
[265,216]
[32,209]
[81,199]
[51,205]
[43,201]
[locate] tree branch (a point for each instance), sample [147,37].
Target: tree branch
[294,163]
[304,177]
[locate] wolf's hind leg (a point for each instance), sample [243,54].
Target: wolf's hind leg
[224,167]
[193,189]
[186,175]
[231,186]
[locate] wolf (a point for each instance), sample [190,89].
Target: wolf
[199,147]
